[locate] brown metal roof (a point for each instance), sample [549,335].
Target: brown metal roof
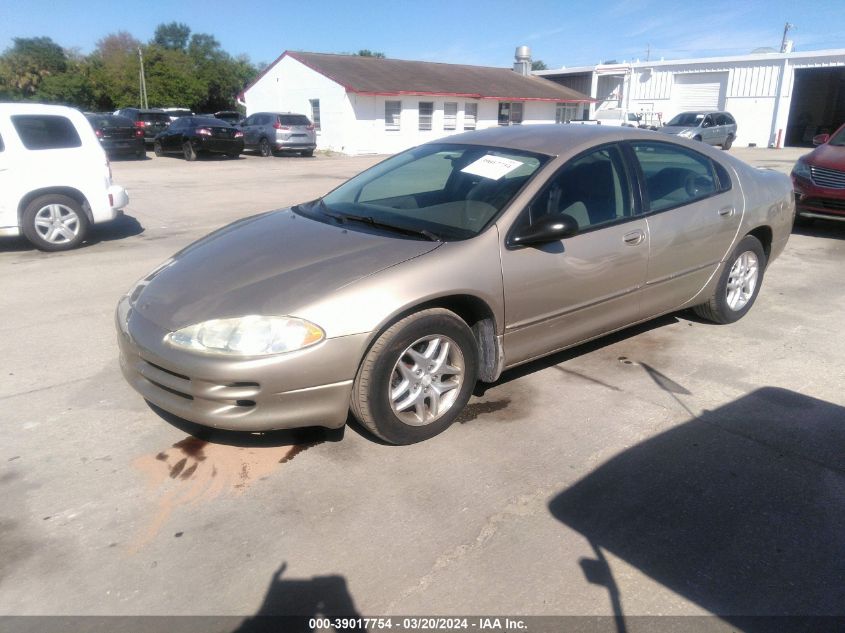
[378,76]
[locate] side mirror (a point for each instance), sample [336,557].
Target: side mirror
[820,139]
[550,228]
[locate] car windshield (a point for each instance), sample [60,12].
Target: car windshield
[687,119]
[294,119]
[154,117]
[838,138]
[209,121]
[109,120]
[446,190]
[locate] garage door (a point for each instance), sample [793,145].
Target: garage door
[700,91]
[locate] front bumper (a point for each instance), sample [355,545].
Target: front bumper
[818,202]
[311,387]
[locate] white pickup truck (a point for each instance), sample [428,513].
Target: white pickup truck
[55,179]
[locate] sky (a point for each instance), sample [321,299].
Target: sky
[560,33]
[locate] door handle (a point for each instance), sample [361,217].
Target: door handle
[634,237]
[726,212]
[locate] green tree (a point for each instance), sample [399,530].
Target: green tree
[366,52]
[25,64]
[173,35]
[539,64]
[115,68]
[171,78]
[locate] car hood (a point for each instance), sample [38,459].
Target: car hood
[830,156]
[271,264]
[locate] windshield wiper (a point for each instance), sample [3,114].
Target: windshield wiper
[366,219]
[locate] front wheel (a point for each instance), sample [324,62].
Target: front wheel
[738,285]
[417,377]
[728,142]
[188,150]
[158,150]
[54,223]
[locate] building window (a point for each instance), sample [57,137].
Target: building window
[566,112]
[510,113]
[426,112]
[450,116]
[315,113]
[392,113]
[470,115]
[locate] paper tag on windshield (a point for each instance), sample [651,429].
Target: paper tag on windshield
[492,167]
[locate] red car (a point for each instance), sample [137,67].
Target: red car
[818,180]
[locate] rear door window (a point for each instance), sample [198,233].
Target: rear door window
[43,131]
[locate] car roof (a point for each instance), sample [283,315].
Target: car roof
[34,108]
[553,139]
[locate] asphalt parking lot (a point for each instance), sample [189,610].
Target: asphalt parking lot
[676,468]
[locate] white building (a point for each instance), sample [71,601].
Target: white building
[374,105]
[778,99]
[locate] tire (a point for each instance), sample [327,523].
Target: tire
[307,152]
[234,156]
[730,302]
[697,138]
[264,148]
[389,364]
[54,223]
[139,155]
[188,151]
[157,149]
[728,142]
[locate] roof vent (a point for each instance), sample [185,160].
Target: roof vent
[522,65]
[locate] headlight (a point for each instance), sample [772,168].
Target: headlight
[802,170]
[251,335]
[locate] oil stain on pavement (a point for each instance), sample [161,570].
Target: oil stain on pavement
[194,471]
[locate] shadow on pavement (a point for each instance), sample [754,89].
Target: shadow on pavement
[298,602]
[740,510]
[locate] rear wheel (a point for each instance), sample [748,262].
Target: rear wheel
[417,377]
[739,284]
[188,150]
[307,152]
[264,148]
[234,155]
[54,223]
[157,149]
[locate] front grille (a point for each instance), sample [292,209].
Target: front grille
[824,177]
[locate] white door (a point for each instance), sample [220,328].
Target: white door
[700,91]
[5,201]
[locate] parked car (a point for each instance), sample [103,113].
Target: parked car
[175,113]
[118,135]
[818,179]
[617,117]
[151,121]
[713,128]
[193,135]
[230,116]
[444,265]
[55,180]
[270,132]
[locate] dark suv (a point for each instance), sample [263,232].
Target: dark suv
[270,132]
[151,121]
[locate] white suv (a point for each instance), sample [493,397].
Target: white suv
[55,179]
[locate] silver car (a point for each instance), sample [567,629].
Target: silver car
[445,265]
[713,128]
[270,132]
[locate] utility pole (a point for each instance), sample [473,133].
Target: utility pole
[142,81]
[786,28]
[648,52]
